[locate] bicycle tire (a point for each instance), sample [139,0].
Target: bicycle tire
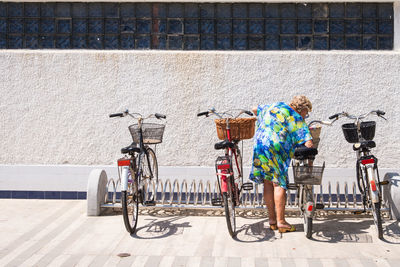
[239,165]
[150,164]
[230,211]
[375,208]
[130,206]
[237,180]
[376,213]
[307,219]
[148,169]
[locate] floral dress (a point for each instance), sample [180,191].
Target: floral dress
[280,129]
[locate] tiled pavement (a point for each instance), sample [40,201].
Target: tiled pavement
[58,233]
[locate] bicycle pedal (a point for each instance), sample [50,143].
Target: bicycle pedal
[292,186]
[319,206]
[247,186]
[384,183]
[149,203]
[216,202]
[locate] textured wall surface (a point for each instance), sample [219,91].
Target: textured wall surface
[54,104]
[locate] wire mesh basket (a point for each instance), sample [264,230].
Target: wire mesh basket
[367,129]
[152,133]
[241,128]
[308,174]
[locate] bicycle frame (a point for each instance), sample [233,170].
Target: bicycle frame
[127,165]
[142,152]
[230,152]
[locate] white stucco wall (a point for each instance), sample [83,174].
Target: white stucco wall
[55,104]
[220,1]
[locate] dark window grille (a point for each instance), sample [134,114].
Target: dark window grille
[192,26]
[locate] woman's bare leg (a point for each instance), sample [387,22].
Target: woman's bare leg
[269,201]
[280,201]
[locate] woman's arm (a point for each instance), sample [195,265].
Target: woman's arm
[309,143]
[254,109]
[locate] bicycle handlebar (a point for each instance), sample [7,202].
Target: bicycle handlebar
[212,111]
[205,113]
[248,112]
[379,113]
[334,116]
[116,115]
[329,123]
[160,116]
[125,113]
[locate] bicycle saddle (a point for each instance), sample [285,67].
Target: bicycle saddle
[130,149]
[224,144]
[305,152]
[364,145]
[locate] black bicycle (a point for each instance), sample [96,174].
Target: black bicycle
[360,134]
[139,166]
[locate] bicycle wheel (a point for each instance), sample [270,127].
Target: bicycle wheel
[307,215]
[376,212]
[307,226]
[149,165]
[237,166]
[237,170]
[130,204]
[229,205]
[148,170]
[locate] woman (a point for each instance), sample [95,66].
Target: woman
[280,128]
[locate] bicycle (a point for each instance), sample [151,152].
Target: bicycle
[229,168]
[138,166]
[360,134]
[306,175]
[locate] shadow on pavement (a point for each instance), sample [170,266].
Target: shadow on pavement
[256,232]
[161,228]
[347,230]
[391,233]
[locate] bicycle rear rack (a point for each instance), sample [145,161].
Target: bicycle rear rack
[204,194]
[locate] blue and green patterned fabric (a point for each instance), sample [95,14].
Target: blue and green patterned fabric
[280,129]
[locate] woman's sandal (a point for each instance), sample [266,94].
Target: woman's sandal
[285,229]
[273,226]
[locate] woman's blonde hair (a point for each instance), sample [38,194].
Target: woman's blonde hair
[300,102]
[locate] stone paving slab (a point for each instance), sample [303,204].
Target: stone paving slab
[58,233]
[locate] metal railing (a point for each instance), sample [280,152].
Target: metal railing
[198,194]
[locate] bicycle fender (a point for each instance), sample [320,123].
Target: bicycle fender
[224,185]
[124,178]
[309,209]
[372,183]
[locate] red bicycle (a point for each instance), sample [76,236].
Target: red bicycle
[229,167]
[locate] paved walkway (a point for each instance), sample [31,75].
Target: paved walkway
[58,233]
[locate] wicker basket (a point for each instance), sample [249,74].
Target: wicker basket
[315,131]
[241,128]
